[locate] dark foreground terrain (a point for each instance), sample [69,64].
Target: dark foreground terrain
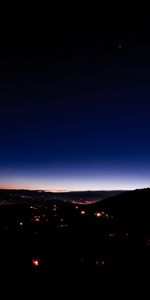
[59,242]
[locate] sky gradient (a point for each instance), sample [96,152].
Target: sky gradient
[74,105]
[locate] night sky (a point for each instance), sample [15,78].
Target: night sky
[74,104]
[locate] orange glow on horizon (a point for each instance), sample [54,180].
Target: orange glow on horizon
[13,187]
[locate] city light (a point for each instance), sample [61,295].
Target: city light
[98,214]
[35,262]
[111,235]
[37,219]
[82,212]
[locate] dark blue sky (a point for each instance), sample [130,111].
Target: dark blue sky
[75,104]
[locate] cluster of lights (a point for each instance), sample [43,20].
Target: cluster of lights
[111,235]
[101,214]
[37,219]
[36,262]
[100,262]
[62,225]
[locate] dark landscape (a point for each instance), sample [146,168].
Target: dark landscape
[42,235]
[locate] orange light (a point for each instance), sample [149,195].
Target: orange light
[98,214]
[82,212]
[35,262]
[37,219]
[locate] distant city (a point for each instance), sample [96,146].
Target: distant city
[12,196]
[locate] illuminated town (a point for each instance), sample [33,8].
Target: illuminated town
[61,234]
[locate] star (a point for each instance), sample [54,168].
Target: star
[119,44]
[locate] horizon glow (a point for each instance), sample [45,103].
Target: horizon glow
[73,183]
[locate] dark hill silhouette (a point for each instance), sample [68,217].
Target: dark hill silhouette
[21,196]
[107,239]
[132,207]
